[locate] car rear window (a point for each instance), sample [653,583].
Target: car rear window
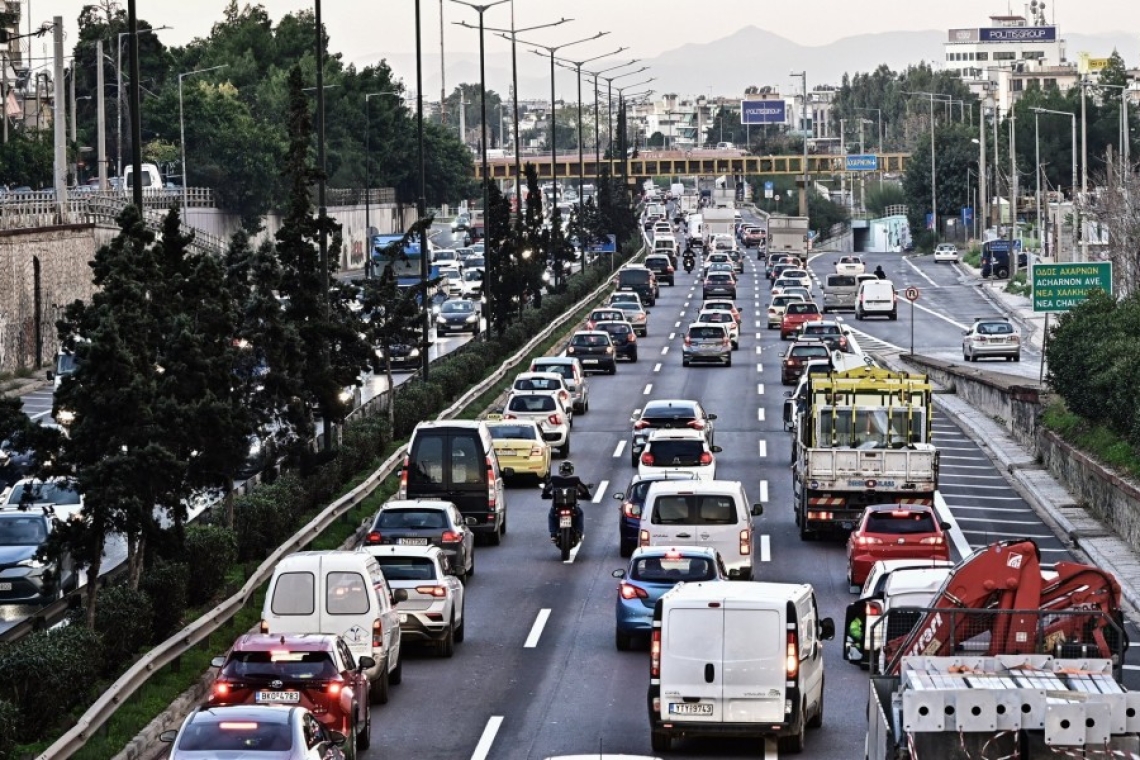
[821,330]
[784,300]
[44,493]
[413,519]
[236,736]
[604,315]
[346,593]
[672,569]
[900,522]
[538,384]
[667,453]
[280,663]
[513,432]
[293,594]
[720,277]
[803,308]
[995,328]
[407,568]
[694,509]
[706,333]
[614,328]
[633,277]
[802,351]
[715,316]
[840,281]
[566,370]
[534,403]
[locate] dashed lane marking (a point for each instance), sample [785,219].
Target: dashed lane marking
[664,350]
[648,389]
[765,549]
[483,748]
[657,367]
[536,629]
[760,389]
[601,492]
[763,449]
[763,491]
[620,448]
[760,414]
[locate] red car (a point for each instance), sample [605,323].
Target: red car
[795,316]
[315,671]
[895,531]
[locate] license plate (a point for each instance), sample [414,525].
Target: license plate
[5,586]
[292,697]
[687,709]
[589,361]
[565,521]
[403,617]
[412,541]
[507,452]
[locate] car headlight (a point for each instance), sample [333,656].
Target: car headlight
[346,395]
[414,352]
[65,417]
[472,318]
[440,319]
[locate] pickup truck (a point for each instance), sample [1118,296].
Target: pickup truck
[850,265]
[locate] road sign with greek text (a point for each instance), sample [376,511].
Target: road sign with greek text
[1060,287]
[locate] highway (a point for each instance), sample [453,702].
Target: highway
[538,675]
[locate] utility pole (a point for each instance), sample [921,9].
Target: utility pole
[1012,192]
[443,74]
[136,114]
[1084,170]
[73,165]
[4,90]
[804,132]
[59,118]
[983,190]
[101,116]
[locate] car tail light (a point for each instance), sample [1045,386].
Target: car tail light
[643,538]
[492,498]
[669,270]
[609,349]
[221,689]
[696,424]
[1015,338]
[403,490]
[726,342]
[509,416]
[792,663]
[642,424]
[647,459]
[569,350]
[536,451]
[439,592]
[631,337]
[629,509]
[688,341]
[374,537]
[745,543]
[874,608]
[554,419]
[451,537]
[821,515]
[655,654]
[377,633]
[264,626]
[629,591]
[867,541]
[232,725]
[932,541]
[332,688]
[706,458]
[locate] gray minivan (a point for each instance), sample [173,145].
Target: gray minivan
[839,291]
[454,460]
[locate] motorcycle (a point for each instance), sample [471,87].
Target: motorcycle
[566,503]
[690,262]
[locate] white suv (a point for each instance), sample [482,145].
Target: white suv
[678,450]
[434,609]
[946,252]
[548,411]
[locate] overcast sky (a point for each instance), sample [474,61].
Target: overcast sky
[366,30]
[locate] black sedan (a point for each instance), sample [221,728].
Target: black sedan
[623,336]
[423,522]
[594,349]
[720,284]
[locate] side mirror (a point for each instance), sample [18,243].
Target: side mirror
[168,736]
[944,526]
[218,661]
[716,449]
[827,629]
[619,496]
[618,573]
[400,595]
[712,416]
[365,663]
[337,738]
[757,509]
[789,394]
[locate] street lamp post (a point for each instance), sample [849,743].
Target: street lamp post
[803,128]
[119,90]
[368,178]
[597,135]
[182,126]
[488,280]
[933,164]
[1076,209]
[421,201]
[610,105]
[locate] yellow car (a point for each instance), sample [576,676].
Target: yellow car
[519,448]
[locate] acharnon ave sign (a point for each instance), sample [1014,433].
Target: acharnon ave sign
[1060,287]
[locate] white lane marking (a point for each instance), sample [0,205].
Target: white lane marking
[483,748]
[763,449]
[676,324]
[601,492]
[682,312]
[759,336]
[987,498]
[760,389]
[648,389]
[664,350]
[763,491]
[960,476]
[657,367]
[536,629]
[1011,510]
[1130,667]
[672,336]
[759,367]
[686,304]
[760,414]
[620,448]
[758,324]
[770,749]
[921,273]
[758,350]
[37,415]
[956,533]
[574,551]
[997,535]
[989,520]
[765,549]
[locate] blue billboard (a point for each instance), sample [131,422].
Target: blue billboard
[1018,34]
[863,163]
[763,111]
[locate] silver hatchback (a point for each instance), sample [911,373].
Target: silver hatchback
[707,342]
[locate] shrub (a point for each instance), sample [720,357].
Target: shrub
[46,674]
[167,586]
[210,552]
[124,618]
[266,517]
[9,724]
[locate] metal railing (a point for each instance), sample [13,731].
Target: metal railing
[354,196]
[170,650]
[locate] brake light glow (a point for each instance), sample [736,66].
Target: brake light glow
[451,537]
[264,626]
[233,725]
[900,513]
[867,541]
[655,654]
[536,450]
[438,592]
[631,337]
[332,688]
[643,538]
[221,689]
[629,591]
[509,416]
[688,341]
[647,459]
[403,490]
[792,664]
[629,509]
[706,458]
[492,499]
[696,424]
[554,419]
[672,554]
[640,424]
[932,541]
[374,537]
[377,634]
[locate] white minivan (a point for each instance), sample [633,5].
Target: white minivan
[342,593]
[737,659]
[713,513]
[876,298]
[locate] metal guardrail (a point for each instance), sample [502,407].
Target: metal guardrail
[190,636]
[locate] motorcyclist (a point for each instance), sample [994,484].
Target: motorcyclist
[689,259]
[565,479]
[880,273]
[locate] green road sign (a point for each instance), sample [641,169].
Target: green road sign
[1060,287]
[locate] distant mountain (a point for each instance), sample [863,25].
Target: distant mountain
[750,56]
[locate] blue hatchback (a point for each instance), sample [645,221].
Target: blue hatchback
[652,571]
[632,500]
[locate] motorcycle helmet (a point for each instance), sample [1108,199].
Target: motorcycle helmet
[566,469]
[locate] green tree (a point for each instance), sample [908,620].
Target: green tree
[26,160]
[473,113]
[954,154]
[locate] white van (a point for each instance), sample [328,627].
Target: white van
[713,513]
[151,177]
[342,593]
[696,231]
[737,659]
[876,298]
[839,291]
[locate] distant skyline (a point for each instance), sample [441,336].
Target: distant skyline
[365,32]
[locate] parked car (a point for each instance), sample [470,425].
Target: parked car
[426,522]
[268,732]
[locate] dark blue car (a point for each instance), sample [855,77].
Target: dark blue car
[632,500]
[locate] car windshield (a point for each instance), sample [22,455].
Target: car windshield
[237,736]
[531,404]
[44,493]
[899,522]
[280,663]
[693,509]
[670,569]
[995,328]
[566,370]
[667,453]
[871,428]
[706,333]
[513,432]
[407,568]
[22,530]
[457,307]
[413,519]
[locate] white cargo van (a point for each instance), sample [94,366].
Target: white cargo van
[737,659]
[342,593]
[151,177]
[713,513]
[876,298]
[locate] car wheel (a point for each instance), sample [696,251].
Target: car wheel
[1017,357]
[397,676]
[735,345]
[684,362]
[471,564]
[564,449]
[623,641]
[626,549]
[728,361]
[894,315]
[661,741]
[496,536]
[461,631]
[612,370]
[378,690]
[794,744]
[858,315]
[446,646]
[364,738]
[633,357]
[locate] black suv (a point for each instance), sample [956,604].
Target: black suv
[623,336]
[594,349]
[661,266]
[641,281]
[668,414]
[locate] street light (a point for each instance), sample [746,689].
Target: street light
[622,117]
[489,282]
[368,177]
[421,201]
[933,165]
[577,66]
[182,126]
[119,92]
[610,105]
[1076,210]
[597,136]
[803,128]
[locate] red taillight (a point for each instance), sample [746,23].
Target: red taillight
[726,342]
[932,541]
[554,419]
[264,627]
[377,634]
[629,591]
[706,458]
[375,537]
[647,459]
[874,608]
[643,538]
[669,270]
[221,689]
[655,654]
[629,509]
[867,541]
[792,664]
[688,341]
[492,498]
[438,592]
[451,537]
[509,416]
[632,337]
[536,450]
[696,425]
[745,543]
[332,688]
[640,425]
[403,490]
